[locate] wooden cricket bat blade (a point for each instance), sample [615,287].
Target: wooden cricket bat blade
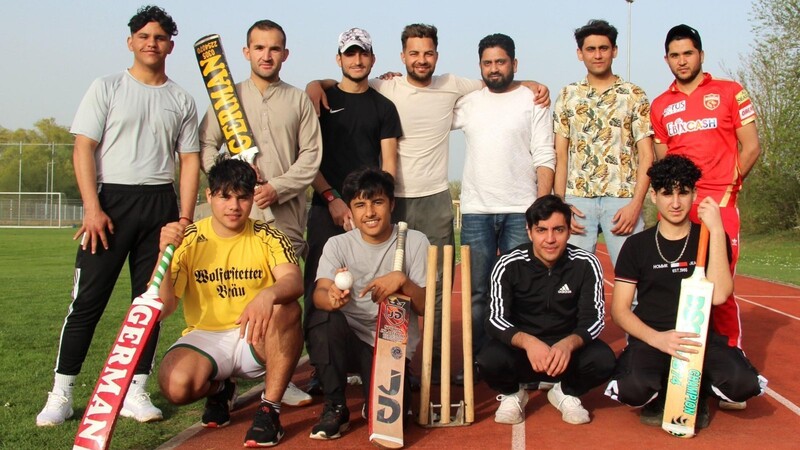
[100,418]
[388,373]
[683,382]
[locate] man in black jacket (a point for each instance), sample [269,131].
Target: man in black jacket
[546,312]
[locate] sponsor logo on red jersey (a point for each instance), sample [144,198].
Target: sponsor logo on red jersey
[675,108]
[746,112]
[711,101]
[742,96]
[679,126]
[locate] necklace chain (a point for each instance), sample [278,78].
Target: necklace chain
[658,246]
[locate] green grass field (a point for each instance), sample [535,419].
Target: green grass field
[772,257]
[36,274]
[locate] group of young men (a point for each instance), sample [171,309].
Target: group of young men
[532,183]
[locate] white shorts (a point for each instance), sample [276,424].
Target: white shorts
[228,353]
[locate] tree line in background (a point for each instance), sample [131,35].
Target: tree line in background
[46,159]
[43,156]
[771,73]
[770,199]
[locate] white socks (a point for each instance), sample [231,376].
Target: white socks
[64,384]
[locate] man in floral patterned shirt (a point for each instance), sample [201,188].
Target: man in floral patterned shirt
[603,145]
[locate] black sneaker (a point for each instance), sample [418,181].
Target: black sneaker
[266,430]
[217,413]
[314,386]
[458,380]
[334,421]
[703,418]
[652,413]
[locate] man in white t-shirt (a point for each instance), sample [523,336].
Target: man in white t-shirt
[509,164]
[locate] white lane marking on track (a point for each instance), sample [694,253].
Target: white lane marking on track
[518,436]
[767,307]
[783,400]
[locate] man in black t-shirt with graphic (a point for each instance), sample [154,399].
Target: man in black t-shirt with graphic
[359,130]
[651,264]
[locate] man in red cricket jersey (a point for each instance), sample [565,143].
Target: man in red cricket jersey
[712,122]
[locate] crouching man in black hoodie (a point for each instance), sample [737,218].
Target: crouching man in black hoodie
[546,312]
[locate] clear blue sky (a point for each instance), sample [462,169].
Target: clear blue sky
[54,49]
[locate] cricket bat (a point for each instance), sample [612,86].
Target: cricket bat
[225,102]
[683,383]
[389,362]
[100,417]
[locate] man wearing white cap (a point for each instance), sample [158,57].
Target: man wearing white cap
[359,130]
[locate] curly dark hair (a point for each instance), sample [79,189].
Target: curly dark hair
[673,172]
[151,13]
[231,176]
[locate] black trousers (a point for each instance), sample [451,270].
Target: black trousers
[642,372]
[334,351]
[319,228]
[138,213]
[504,367]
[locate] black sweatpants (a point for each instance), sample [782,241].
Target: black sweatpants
[138,213]
[319,228]
[334,351]
[642,372]
[504,367]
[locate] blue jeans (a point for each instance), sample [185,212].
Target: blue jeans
[486,234]
[599,212]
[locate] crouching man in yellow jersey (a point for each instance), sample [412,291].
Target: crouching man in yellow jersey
[239,280]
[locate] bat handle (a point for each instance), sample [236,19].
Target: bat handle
[399,255]
[702,247]
[163,265]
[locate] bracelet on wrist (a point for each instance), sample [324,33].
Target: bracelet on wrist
[185,218]
[330,195]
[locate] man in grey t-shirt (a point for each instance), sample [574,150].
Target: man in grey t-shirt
[341,331]
[128,130]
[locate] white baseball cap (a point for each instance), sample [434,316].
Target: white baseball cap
[357,37]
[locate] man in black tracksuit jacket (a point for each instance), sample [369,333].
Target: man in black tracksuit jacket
[546,312]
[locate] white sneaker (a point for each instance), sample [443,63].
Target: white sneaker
[57,409]
[512,407]
[732,406]
[138,406]
[572,410]
[354,380]
[294,396]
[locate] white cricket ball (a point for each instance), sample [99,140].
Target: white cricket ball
[343,280]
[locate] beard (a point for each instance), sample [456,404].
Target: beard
[692,75]
[421,78]
[354,79]
[500,84]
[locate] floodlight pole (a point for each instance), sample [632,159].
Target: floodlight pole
[630,28]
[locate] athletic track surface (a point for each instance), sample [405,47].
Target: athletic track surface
[771,323]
